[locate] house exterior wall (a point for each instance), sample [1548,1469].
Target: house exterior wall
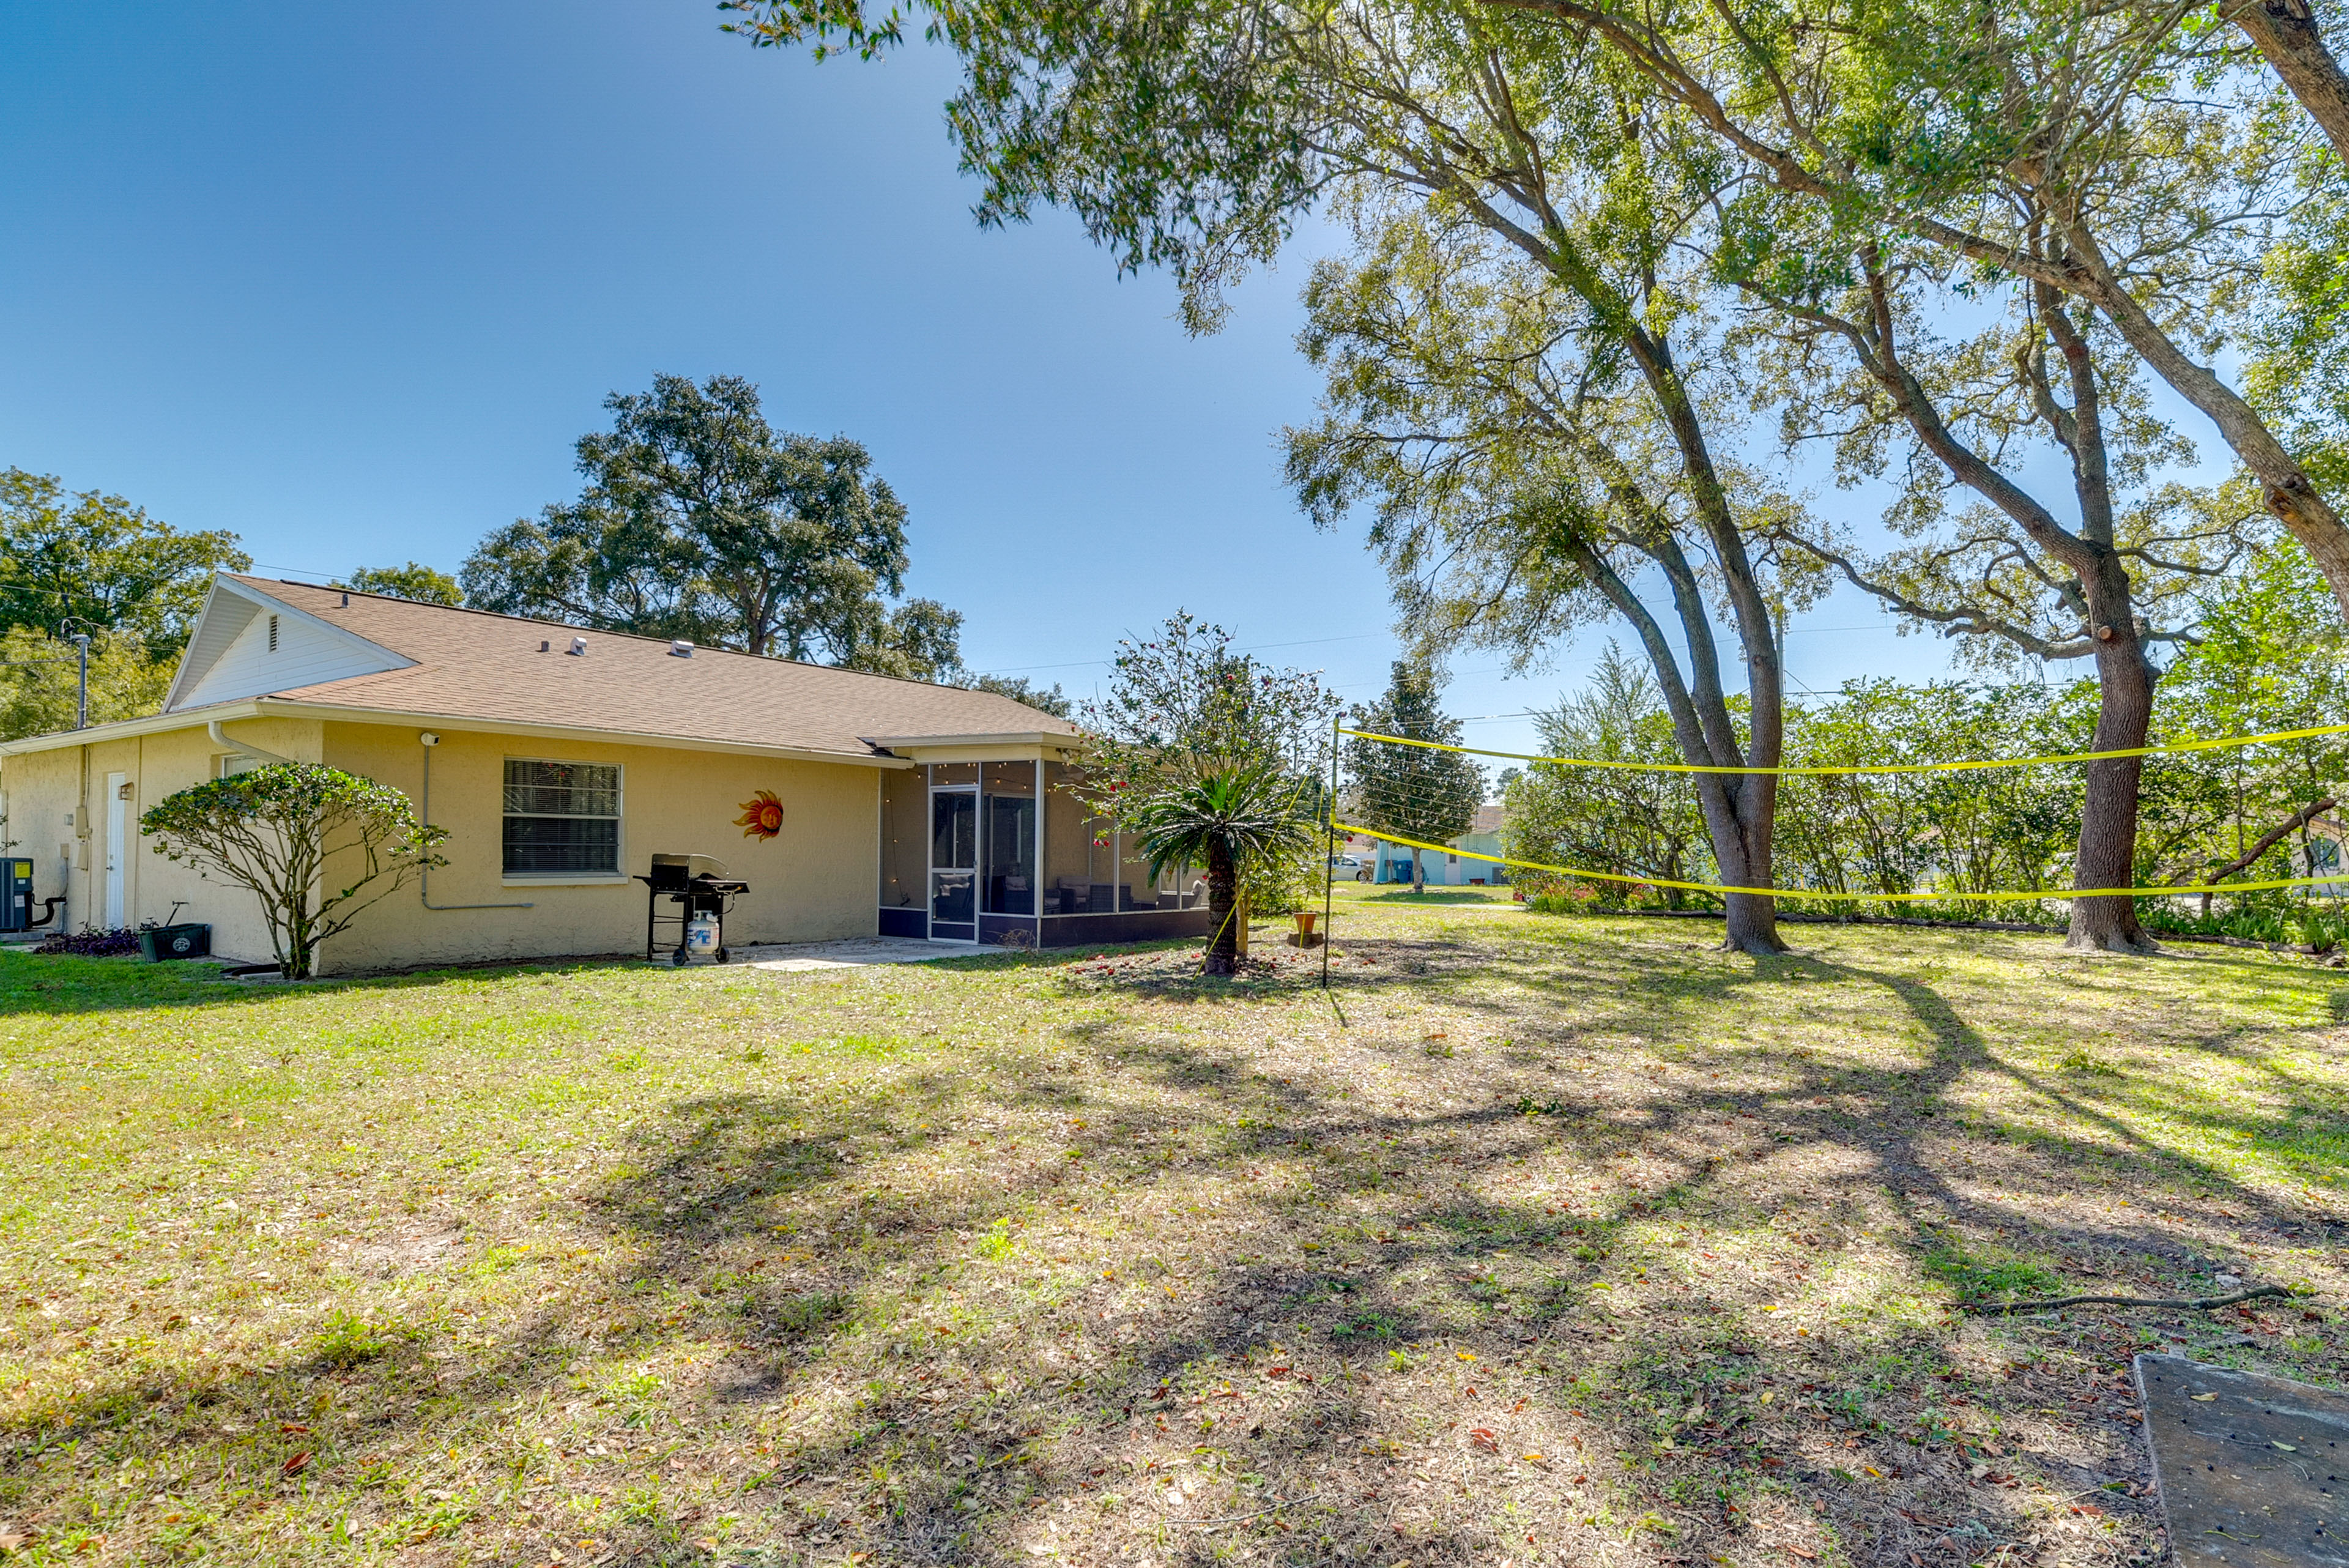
[57,812]
[42,794]
[1441,868]
[1483,843]
[814,882]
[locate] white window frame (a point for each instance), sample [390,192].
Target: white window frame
[619,872]
[228,765]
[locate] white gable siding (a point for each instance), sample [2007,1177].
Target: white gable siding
[306,656]
[226,614]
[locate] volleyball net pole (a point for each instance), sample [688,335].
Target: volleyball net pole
[1330,854]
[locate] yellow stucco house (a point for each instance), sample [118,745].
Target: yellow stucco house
[561,761]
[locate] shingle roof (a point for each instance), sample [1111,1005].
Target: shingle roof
[472,665]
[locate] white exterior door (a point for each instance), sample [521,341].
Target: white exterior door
[118,826]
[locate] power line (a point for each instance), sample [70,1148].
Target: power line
[1251,647]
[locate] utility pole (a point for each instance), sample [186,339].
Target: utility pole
[81,689]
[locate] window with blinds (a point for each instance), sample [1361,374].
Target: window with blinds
[562,819]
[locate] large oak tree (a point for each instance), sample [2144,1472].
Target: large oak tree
[1194,135]
[699,520]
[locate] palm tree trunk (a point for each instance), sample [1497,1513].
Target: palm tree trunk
[1223,887]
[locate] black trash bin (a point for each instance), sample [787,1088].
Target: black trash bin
[162,943]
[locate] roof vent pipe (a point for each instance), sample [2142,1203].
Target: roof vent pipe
[680,648]
[578,645]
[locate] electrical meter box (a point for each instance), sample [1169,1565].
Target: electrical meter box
[15,894]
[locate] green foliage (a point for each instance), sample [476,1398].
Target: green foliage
[91,562]
[38,673]
[2299,375]
[425,584]
[1200,745]
[1991,1273]
[1182,705]
[1959,832]
[1633,823]
[316,846]
[1412,791]
[1285,881]
[2273,658]
[701,521]
[2273,655]
[348,1340]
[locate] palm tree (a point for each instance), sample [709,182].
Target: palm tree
[1221,820]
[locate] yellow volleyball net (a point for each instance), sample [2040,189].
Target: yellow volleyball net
[1383,808]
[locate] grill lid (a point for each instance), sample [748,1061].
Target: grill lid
[674,871]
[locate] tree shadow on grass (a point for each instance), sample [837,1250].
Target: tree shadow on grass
[964,1302]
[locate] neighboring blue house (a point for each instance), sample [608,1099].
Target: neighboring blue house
[1391,863]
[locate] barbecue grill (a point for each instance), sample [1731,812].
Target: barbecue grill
[693,885]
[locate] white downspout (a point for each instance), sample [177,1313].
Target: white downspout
[244,748]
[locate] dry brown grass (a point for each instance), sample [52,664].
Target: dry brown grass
[1535,1240]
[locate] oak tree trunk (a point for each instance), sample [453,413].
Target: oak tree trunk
[1739,818]
[2107,847]
[2285,32]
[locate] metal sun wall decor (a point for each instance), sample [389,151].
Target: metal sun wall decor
[763,815]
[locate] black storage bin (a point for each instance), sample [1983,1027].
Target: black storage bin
[162,943]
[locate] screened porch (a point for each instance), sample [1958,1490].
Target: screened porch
[1001,852]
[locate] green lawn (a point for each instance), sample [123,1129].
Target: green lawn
[1536,1239]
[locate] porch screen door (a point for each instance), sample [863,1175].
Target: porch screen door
[954,864]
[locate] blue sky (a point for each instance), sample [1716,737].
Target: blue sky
[350,281]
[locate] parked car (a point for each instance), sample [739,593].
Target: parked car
[1349,868]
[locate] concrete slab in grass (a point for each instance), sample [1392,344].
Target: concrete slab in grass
[2250,1466]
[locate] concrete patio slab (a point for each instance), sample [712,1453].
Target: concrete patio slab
[2249,1466]
[856,952]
